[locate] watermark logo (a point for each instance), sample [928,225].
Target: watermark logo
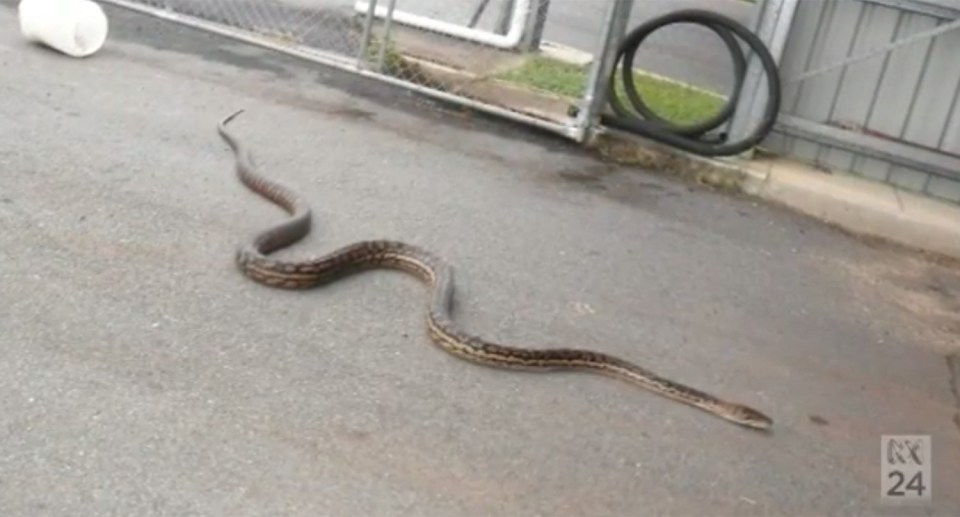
[905,468]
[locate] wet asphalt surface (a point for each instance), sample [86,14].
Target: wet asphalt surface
[141,374]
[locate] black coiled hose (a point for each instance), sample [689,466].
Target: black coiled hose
[692,138]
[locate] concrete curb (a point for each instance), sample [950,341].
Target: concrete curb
[857,205]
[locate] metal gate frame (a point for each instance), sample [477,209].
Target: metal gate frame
[576,128]
[579,125]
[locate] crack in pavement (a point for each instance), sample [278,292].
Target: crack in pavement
[953,365]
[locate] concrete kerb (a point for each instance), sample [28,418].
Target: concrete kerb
[857,205]
[627,149]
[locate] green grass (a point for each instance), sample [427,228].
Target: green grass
[676,102]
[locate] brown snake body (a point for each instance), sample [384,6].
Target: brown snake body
[251,258]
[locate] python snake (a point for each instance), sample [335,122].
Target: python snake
[251,258]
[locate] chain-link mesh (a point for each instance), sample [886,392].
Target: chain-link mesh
[485,52]
[327,25]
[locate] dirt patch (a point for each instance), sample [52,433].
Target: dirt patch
[631,151]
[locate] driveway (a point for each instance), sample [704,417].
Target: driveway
[141,374]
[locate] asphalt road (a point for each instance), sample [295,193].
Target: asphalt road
[141,374]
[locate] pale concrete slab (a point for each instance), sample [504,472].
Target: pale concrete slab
[858,204]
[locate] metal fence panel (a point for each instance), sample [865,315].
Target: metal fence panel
[872,168]
[898,108]
[812,99]
[806,29]
[326,25]
[930,123]
[944,188]
[495,69]
[904,72]
[854,101]
[455,51]
[837,159]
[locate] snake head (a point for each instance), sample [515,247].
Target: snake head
[748,417]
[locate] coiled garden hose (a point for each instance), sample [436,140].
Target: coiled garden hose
[692,138]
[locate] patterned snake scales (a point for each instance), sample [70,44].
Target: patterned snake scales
[252,261]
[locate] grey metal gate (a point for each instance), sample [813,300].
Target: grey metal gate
[377,39]
[873,87]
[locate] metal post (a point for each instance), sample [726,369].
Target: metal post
[604,59]
[387,24]
[367,27]
[475,18]
[506,14]
[772,25]
[533,33]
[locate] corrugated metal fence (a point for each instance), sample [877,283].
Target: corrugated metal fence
[894,117]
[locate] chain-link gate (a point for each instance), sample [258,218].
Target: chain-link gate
[467,52]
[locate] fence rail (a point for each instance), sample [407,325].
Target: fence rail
[868,86]
[873,87]
[366,39]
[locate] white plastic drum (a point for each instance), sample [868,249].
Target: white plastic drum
[77,28]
